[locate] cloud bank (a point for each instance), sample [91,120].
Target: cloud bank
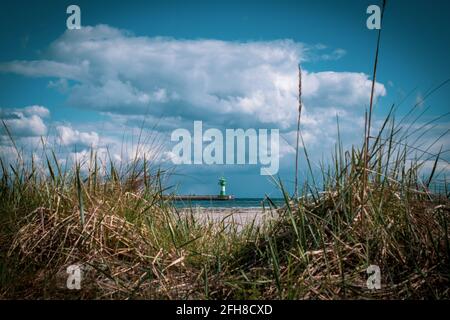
[250,83]
[226,84]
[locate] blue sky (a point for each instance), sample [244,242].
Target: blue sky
[231,64]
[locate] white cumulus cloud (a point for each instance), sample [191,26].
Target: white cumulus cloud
[252,83]
[70,137]
[24,122]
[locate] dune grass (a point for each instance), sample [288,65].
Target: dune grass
[133,243]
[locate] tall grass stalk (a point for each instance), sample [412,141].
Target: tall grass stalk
[298,129]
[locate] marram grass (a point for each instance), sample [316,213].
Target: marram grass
[133,244]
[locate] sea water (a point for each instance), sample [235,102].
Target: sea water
[234,203]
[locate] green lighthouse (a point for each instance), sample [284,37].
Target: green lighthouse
[222,184]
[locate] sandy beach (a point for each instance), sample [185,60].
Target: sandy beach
[238,215]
